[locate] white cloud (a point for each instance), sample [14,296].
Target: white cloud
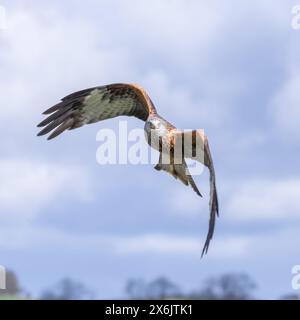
[149,243]
[27,187]
[174,101]
[248,246]
[159,244]
[222,247]
[45,58]
[264,200]
[165,27]
[167,244]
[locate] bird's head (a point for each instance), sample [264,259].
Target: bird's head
[154,124]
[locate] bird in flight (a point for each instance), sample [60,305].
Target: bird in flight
[109,101]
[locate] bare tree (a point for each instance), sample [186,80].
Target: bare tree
[228,287]
[67,289]
[162,288]
[136,289]
[291,296]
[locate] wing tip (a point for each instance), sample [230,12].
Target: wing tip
[41,133]
[206,246]
[41,124]
[51,137]
[204,251]
[214,212]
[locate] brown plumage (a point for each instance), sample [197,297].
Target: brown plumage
[105,102]
[84,107]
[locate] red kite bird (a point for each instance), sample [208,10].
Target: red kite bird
[105,102]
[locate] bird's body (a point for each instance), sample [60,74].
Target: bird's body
[155,128]
[104,102]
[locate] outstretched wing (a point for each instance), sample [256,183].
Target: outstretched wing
[194,145]
[213,203]
[96,104]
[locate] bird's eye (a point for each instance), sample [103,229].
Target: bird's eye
[152,125]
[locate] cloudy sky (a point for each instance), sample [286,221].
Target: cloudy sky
[231,68]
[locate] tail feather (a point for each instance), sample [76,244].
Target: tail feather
[183,171]
[179,171]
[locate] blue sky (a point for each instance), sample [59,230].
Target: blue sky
[229,67]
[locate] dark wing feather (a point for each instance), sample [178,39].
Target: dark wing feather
[198,149]
[96,104]
[213,203]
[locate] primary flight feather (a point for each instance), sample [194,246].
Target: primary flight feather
[105,102]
